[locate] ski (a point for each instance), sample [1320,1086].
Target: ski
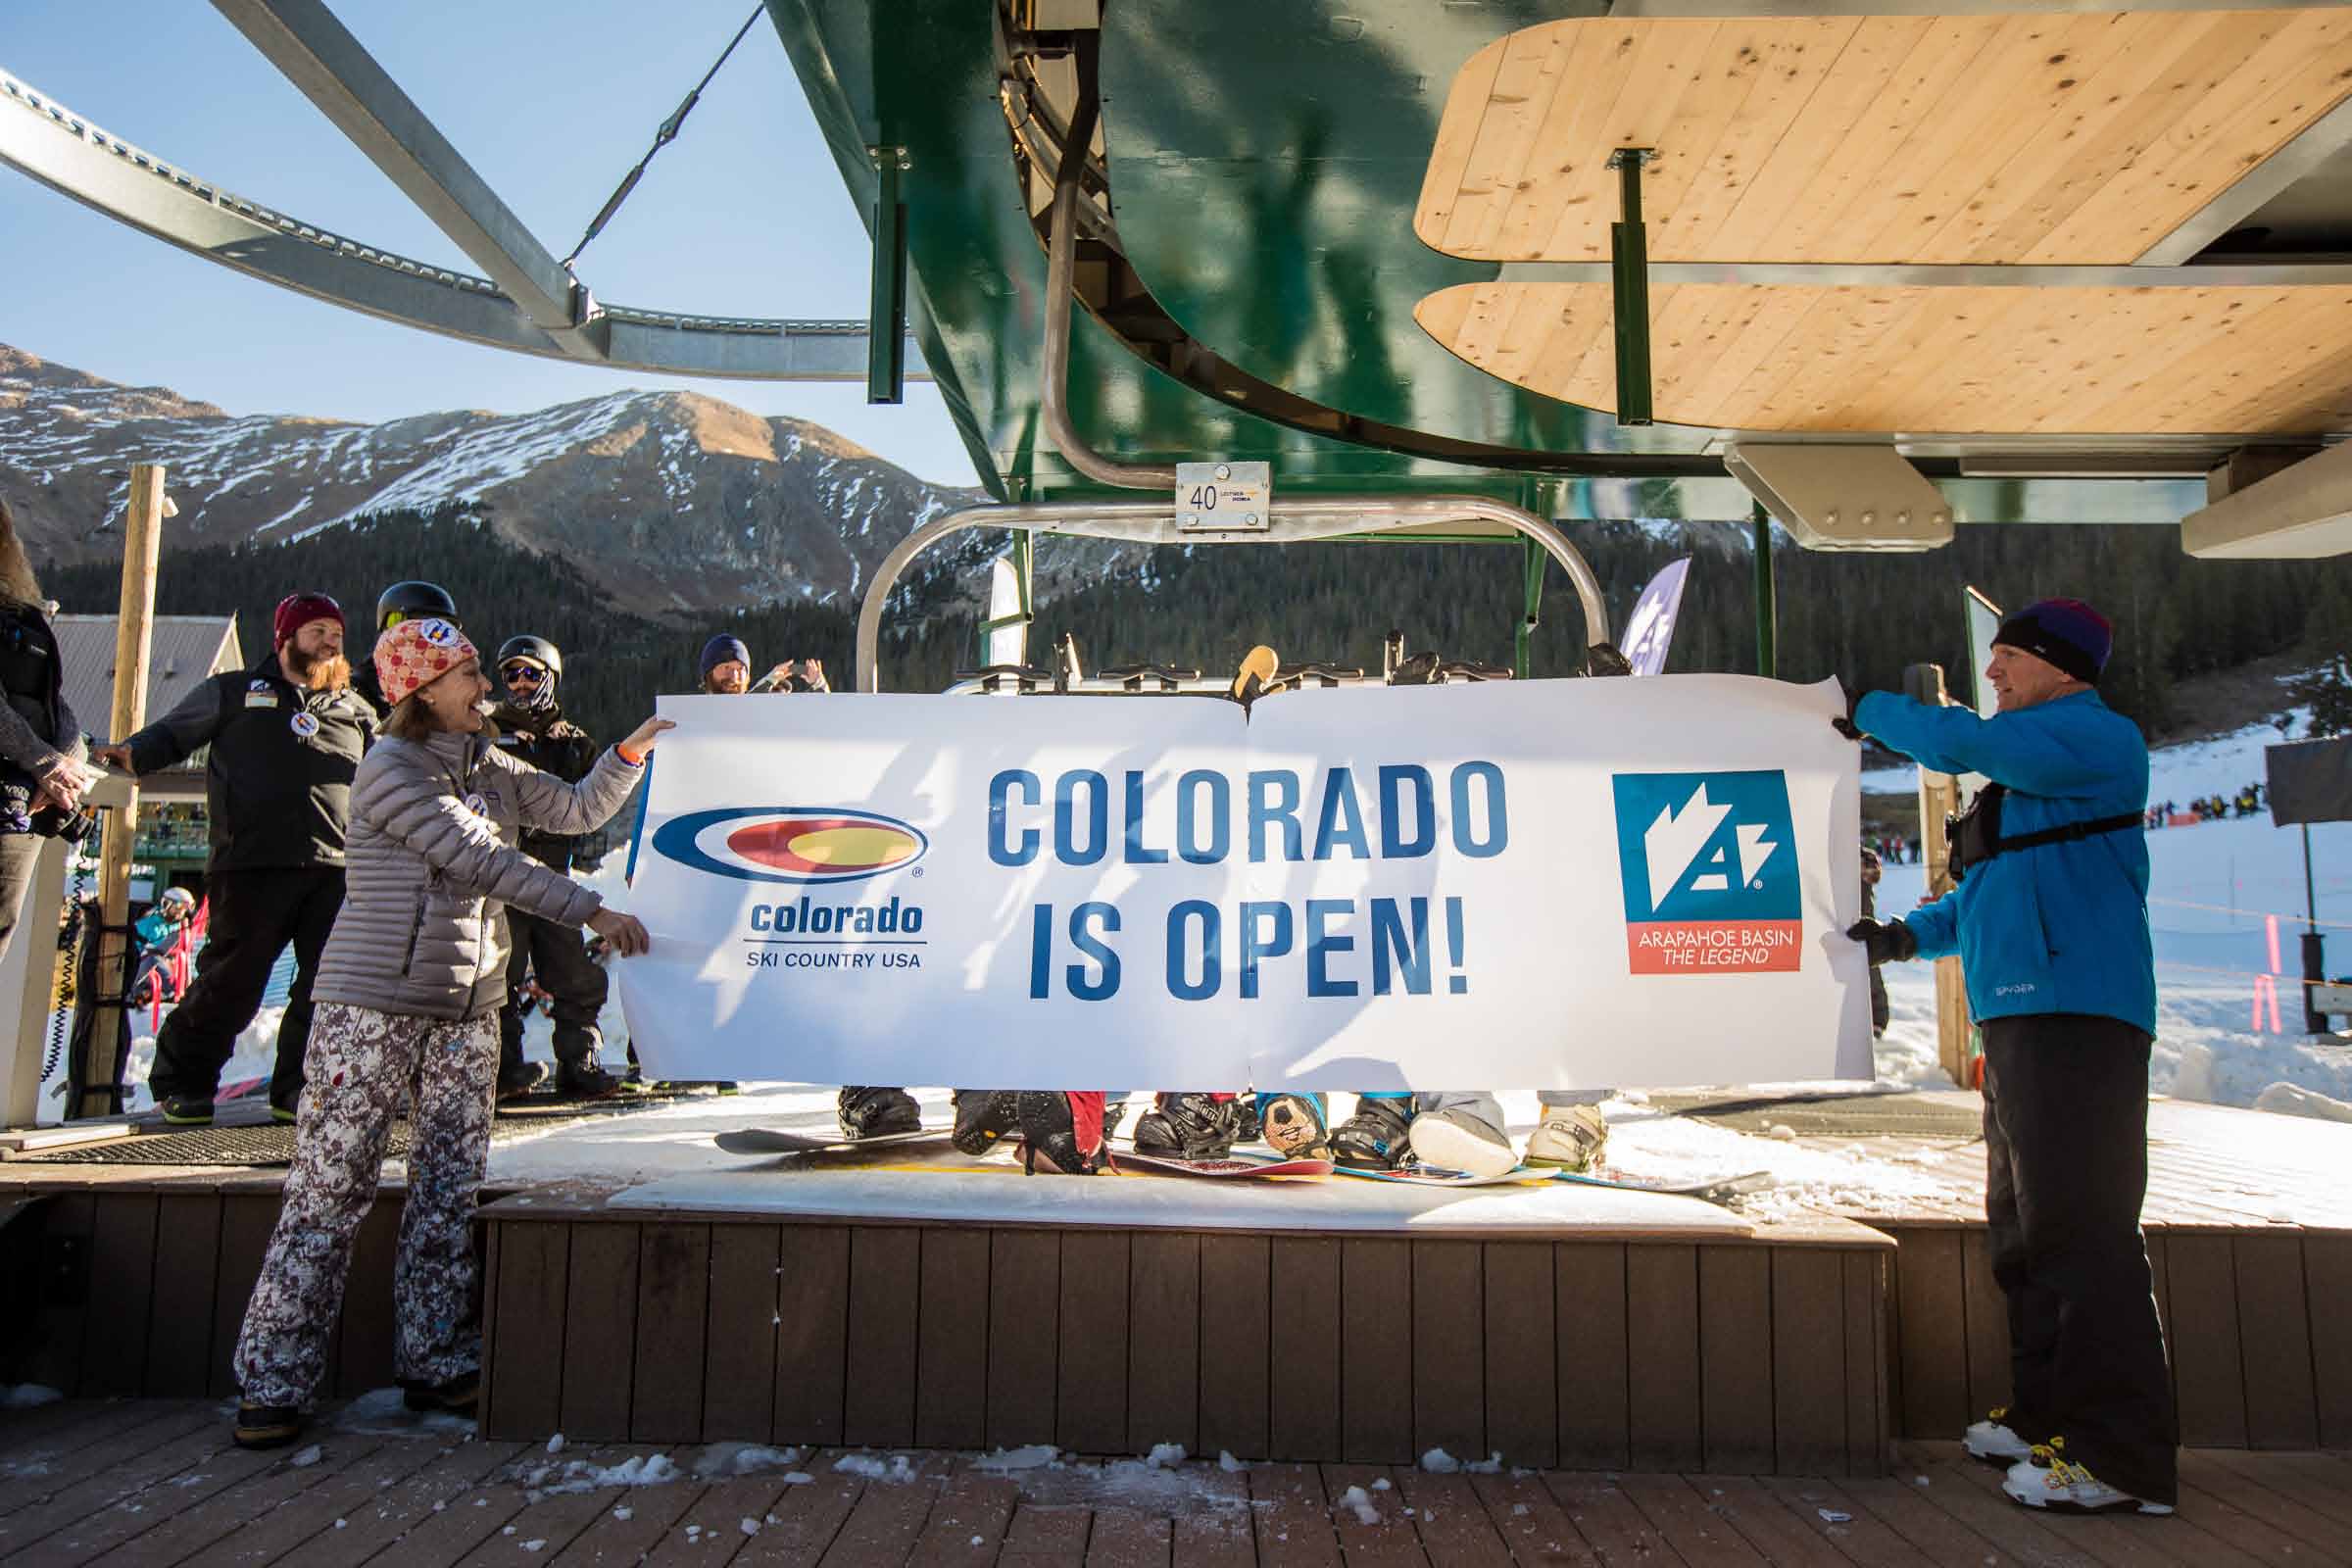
[774,1141]
[1222,1169]
[1432,1176]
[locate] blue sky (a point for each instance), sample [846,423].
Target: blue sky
[550,100]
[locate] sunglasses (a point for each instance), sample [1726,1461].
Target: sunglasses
[519,671]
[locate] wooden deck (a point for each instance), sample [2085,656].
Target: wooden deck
[156,1483]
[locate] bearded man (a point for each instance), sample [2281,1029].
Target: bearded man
[286,737]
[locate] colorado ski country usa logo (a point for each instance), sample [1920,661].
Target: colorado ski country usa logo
[790,844]
[1708,863]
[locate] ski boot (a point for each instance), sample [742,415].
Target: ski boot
[983,1116]
[1294,1127]
[1247,1126]
[524,1078]
[1061,1132]
[585,1080]
[878,1112]
[1375,1137]
[1115,1112]
[1571,1137]
[1461,1140]
[1191,1126]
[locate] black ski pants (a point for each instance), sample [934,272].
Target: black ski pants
[558,955]
[2066,1143]
[254,915]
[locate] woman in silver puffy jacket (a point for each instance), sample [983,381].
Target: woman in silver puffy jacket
[407,997]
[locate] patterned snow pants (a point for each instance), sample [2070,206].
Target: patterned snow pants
[363,1068]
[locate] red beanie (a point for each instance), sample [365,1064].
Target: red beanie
[297,611]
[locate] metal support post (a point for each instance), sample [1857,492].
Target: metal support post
[1629,277]
[1768,611]
[94,1094]
[886,327]
[1938,797]
[1532,564]
[2315,947]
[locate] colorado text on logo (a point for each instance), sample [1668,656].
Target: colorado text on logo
[1708,865]
[790,844]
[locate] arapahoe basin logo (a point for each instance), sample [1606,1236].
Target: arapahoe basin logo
[790,844]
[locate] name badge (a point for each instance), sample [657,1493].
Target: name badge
[260,699]
[305,723]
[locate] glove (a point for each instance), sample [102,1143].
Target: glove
[1846,726]
[1883,940]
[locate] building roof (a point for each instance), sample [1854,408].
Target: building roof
[185,650]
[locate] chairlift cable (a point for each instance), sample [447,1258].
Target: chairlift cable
[661,138]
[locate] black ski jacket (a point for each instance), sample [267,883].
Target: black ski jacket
[553,744]
[277,797]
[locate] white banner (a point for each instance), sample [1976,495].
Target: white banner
[1514,884]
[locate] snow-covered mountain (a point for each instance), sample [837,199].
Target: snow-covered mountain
[669,500]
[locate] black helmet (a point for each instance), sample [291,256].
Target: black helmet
[406,601]
[534,647]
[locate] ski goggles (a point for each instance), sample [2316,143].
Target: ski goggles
[516,671]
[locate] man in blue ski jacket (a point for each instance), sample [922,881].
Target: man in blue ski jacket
[2050,921]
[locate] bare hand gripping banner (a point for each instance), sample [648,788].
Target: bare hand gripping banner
[1538,884]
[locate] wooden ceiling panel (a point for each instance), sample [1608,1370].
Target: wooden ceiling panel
[2059,360]
[2031,136]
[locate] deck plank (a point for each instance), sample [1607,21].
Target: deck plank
[1451,1518]
[120,1530]
[1392,1539]
[554,1521]
[1124,1537]
[673,1305]
[1663,1411]
[246,1220]
[1292,1517]
[1931,1534]
[1448,1348]
[1163,1341]
[376,1500]
[1047,1535]
[739,1372]
[2272,1527]
[1376,1350]
[254,1499]
[1591,1350]
[812,1307]
[611,1539]
[1532,1525]
[1521,1348]
[2321,1483]
[807,1519]
[600,1340]
[885,1289]
[1688,1520]
[1764,1521]
[882,1527]
[1024,1317]
[2281,1408]
[364,1338]
[523,1360]
[1616,1528]
[950,1385]
[115,1318]
[97,1475]
[1843,1525]
[1303,1353]
[1091,1389]
[1219,1537]
[1807,1423]
[967,1521]
[1236,1330]
[2327,1284]
[1736,1359]
[2019,1534]
[2122,1542]
[2208,1370]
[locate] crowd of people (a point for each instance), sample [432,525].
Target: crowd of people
[2251,801]
[415,841]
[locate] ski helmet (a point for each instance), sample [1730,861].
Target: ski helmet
[538,649]
[409,601]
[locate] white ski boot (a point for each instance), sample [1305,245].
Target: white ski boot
[1994,1441]
[2069,1488]
[1457,1139]
[1570,1136]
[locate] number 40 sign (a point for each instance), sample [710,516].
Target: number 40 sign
[1224,497]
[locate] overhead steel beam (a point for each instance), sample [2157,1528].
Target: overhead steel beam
[318,55]
[50,143]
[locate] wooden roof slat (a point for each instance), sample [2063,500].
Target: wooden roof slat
[2101,134]
[1873,62]
[2299,74]
[2046,136]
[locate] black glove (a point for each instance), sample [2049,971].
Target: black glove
[1884,939]
[1846,726]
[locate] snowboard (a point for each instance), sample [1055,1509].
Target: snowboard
[1433,1176]
[1245,1167]
[1714,1189]
[773,1140]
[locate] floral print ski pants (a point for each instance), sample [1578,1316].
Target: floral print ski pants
[363,1069]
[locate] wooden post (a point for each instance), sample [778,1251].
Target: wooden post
[134,630]
[1939,798]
